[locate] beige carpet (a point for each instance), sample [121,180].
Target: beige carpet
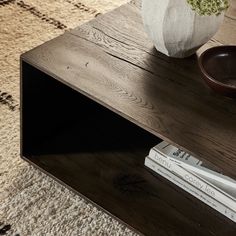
[30,202]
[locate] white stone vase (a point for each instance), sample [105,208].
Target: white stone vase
[175,29]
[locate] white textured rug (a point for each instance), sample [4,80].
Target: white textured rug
[31,203]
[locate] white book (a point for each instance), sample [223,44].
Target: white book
[193,179]
[226,189]
[191,163]
[190,189]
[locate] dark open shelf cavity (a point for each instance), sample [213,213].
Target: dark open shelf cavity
[100,155]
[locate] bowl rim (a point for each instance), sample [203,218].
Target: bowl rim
[200,60]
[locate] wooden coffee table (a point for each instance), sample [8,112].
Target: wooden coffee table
[96,99]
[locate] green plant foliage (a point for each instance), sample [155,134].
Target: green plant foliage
[209,7]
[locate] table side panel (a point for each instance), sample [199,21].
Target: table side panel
[100,155]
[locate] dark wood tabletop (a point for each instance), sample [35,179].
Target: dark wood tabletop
[111,61]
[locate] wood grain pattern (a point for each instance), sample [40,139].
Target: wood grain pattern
[100,156]
[120,83]
[111,60]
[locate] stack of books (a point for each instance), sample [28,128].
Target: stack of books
[197,178]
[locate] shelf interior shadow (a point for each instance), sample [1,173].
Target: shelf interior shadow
[58,119]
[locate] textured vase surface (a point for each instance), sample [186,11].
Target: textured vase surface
[175,29]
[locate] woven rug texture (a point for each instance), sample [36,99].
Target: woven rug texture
[31,203]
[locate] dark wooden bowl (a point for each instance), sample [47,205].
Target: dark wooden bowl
[218,67]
